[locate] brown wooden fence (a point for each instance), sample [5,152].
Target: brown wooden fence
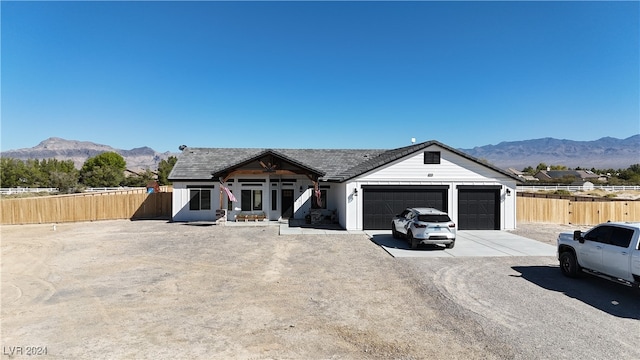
[572,210]
[138,205]
[86,207]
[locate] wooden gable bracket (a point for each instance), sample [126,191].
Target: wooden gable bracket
[270,166]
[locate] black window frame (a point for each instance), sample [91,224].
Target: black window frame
[229,202]
[323,198]
[250,198]
[431,157]
[199,199]
[274,199]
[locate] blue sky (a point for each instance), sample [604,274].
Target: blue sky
[317,74]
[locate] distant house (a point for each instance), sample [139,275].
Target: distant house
[579,175]
[522,175]
[359,189]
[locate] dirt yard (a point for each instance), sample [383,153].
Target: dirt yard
[152,289]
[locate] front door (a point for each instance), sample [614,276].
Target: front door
[287,203]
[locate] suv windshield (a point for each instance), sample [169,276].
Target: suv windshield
[434,218]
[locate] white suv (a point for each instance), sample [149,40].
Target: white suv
[424,226]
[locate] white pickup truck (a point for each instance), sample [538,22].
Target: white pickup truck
[610,250]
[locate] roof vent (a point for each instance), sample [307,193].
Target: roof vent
[413,140]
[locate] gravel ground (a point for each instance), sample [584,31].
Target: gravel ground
[543,232]
[152,289]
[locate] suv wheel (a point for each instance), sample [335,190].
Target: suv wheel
[394,232]
[568,264]
[450,246]
[412,241]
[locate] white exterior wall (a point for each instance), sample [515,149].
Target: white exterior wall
[453,170]
[236,188]
[338,197]
[180,203]
[302,192]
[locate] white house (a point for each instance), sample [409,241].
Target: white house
[359,189]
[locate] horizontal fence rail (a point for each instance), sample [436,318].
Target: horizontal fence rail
[573,188]
[21,190]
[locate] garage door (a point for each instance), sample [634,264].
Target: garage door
[381,203]
[478,208]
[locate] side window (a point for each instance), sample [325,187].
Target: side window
[199,199]
[601,234]
[404,214]
[621,237]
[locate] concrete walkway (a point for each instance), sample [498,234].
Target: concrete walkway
[298,227]
[469,243]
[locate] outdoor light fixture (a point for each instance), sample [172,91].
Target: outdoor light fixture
[508,192]
[355,191]
[300,188]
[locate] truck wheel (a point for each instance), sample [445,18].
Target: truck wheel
[412,241]
[568,264]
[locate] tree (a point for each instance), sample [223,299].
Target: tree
[59,174]
[141,179]
[66,182]
[529,170]
[13,173]
[541,166]
[164,168]
[630,175]
[34,175]
[104,170]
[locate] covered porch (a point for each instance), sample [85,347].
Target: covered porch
[271,187]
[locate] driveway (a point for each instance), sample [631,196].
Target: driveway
[469,243]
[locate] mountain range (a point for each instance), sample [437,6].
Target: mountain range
[79,151]
[604,153]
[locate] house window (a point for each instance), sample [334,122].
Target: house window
[274,199]
[229,202]
[323,200]
[432,157]
[251,200]
[199,199]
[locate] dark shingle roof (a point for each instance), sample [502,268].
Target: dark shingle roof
[200,163]
[336,164]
